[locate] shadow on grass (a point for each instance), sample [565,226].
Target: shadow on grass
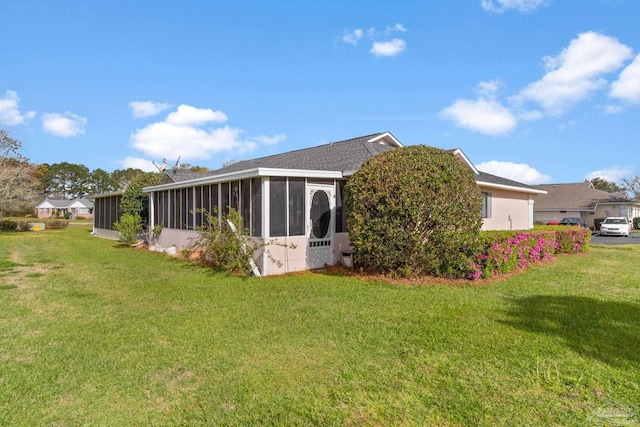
[608,331]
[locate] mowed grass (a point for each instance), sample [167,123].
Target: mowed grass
[97,334]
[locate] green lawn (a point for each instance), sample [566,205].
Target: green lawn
[97,334]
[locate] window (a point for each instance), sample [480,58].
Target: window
[296,206]
[245,203]
[341,217]
[256,207]
[277,207]
[225,198]
[486,205]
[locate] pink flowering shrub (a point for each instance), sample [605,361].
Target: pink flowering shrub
[573,240]
[504,251]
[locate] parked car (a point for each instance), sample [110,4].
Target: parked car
[615,226]
[575,222]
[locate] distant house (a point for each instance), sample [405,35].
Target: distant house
[50,208]
[296,198]
[582,200]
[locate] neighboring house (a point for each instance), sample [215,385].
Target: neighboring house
[582,200]
[292,203]
[50,208]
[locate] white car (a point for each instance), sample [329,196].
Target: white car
[615,226]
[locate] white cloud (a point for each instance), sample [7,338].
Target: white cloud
[144,165]
[575,73]
[485,114]
[352,37]
[612,174]
[389,48]
[147,108]
[481,115]
[10,114]
[189,116]
[627,87]
[64,125]
[612,109]
[396,28]
[183,133]
[516,171]
[500,6]
[271,140]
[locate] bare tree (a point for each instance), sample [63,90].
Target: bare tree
[18,181]
[632,186]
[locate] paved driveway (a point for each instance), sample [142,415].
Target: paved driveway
[597,239]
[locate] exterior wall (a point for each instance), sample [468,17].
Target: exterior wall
[279,257]
[181,239]
[45,212]
[603,211]
[103,232]
[509,211]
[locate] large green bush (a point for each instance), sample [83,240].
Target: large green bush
[414,210]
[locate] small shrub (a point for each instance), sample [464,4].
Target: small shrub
[636,223]
[573,240]
[8,225]
[129,227]
[67,215]
[55,224]
[224,249]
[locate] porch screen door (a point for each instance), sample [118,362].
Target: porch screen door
[320,225]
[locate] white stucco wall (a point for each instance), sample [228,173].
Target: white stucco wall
[509,211]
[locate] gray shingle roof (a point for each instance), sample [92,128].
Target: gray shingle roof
[340,156]
[494,179]
[347,155]
[576,196]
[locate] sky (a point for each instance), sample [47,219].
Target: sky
[538,91]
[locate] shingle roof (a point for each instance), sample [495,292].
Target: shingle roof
[576,196]
[65,203]
[347,155]
[494,179]
[340,156]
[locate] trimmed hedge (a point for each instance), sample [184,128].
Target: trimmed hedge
[414,210]
[504,251]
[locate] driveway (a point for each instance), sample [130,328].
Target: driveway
[597,239]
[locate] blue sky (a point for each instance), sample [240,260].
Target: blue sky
[540,91]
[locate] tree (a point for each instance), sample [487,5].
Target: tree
[632,186]
[604,185]
[18,183]
[414,210]
[134,201]
[101,181]
[66,181]
[122,177]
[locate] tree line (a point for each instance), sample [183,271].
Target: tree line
[23,184]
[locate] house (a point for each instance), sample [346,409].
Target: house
[59,208]
[292,203]
[582,200]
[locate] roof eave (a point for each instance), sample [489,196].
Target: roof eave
[248,173]
[527,190]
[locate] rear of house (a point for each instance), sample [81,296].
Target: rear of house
[292,203]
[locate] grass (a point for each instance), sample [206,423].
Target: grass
[98,334]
